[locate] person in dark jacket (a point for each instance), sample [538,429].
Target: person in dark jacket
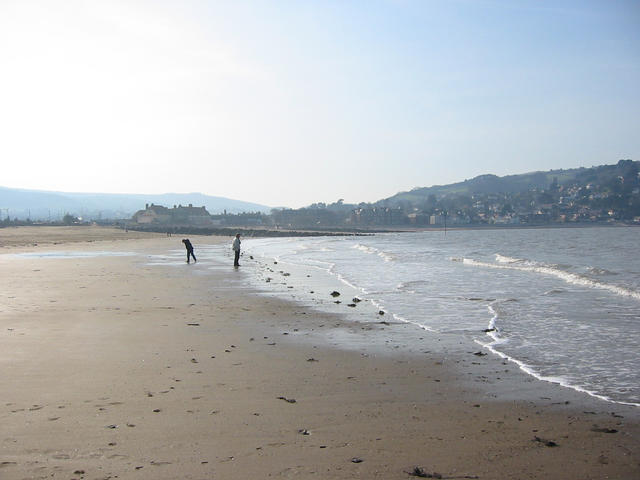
[189,247]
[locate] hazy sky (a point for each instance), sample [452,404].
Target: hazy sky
[293,102]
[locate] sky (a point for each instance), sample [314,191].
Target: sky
[288,103]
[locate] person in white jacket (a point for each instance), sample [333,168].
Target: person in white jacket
[236,250]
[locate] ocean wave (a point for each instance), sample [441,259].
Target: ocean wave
[553,270]
[365,248]
[387,257]
[413,322]
[344,280]
[505,259]
[493,332]
[554,291]
[410,285]
[600,271]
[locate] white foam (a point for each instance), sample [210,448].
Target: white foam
[359,264]
[345,281]
[411,322]
[505,259]
[364,248]
[387,257]
[572,278]
[496,341]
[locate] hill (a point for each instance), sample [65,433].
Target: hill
[606,193]
[602,194]
[45,205]
[488,184]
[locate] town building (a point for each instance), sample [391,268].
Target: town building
[178,215]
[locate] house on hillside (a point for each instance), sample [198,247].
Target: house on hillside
[178,215]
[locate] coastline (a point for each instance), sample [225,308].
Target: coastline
[268,231]
[92,347]
[304,274]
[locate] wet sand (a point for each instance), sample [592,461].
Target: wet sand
[115,368]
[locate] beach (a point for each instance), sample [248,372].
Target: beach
[113,367]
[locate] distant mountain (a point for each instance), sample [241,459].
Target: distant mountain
[44,205]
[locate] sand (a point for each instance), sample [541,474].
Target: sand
[115,368]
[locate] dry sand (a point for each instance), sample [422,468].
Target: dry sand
[12,237]
[114,368]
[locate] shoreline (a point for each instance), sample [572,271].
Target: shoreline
[306,292]
[101,341]
[267,231]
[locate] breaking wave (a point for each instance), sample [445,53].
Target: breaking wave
[493,332]
[508,263]
[387,257]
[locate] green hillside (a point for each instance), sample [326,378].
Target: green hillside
[492,184]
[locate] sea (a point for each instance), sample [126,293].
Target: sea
[561,303]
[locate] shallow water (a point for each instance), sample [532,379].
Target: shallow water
[564,303]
